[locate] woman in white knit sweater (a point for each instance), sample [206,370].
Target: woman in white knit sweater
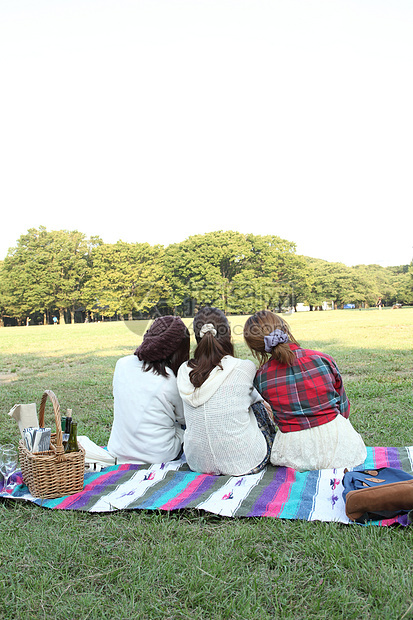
[227,428]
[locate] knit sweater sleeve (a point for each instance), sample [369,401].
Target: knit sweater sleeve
[250,369]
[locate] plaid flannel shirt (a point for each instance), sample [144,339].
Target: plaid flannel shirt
[309,393]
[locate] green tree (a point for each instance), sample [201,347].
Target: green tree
[2,300]
[23,275]
[126,278]
[235,272]
[381,283]
[69,269]
[273,277]
[402,281]
[46,270]
[337,282]
[200,269]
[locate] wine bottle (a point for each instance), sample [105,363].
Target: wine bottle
[68,424]
[72,445]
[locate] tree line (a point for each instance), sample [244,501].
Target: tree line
[66,275]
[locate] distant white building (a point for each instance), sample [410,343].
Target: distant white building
[326,305]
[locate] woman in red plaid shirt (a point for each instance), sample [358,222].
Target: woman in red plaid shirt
[307,397]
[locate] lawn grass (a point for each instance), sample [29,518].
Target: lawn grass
[126,565]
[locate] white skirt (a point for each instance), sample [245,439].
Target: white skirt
[332,445]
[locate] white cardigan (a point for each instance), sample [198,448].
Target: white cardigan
[222,434]
[148,413]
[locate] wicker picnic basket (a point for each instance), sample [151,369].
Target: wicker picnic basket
[53,473]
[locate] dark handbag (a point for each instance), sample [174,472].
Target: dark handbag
[374,494]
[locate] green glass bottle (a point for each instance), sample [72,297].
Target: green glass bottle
[66,429]
[72,445]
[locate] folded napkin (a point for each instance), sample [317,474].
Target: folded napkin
[95,456]
[25,416]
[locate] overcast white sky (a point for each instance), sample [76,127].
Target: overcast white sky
[153,120]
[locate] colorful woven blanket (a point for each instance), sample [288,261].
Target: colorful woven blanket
[278,492]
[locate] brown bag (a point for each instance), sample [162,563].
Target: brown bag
[377,494]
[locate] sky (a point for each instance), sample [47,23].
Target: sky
[154,120]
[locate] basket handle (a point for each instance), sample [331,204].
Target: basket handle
[56,408]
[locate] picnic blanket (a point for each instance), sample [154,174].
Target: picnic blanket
[278,492]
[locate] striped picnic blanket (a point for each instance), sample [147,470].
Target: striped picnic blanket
[278,492]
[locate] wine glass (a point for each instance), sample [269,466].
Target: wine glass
[6,446]
[8,463]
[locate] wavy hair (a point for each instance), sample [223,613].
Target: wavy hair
[262,324]
[210,348]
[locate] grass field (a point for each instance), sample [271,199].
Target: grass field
[64,565]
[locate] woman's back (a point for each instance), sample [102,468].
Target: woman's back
[146,406]
[222,434]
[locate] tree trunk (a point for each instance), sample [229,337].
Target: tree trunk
[61,316]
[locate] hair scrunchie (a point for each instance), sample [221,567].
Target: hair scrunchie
[276,337]
[207,327]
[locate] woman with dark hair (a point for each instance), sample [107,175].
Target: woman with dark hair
[227,427]
[307,398]
[148,411]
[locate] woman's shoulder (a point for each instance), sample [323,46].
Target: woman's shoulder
[183,370]
[312,354]
[131,364]
[265,367]
[129,361]
[245,365]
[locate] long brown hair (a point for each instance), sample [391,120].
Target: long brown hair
[262,324]
[210,348]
